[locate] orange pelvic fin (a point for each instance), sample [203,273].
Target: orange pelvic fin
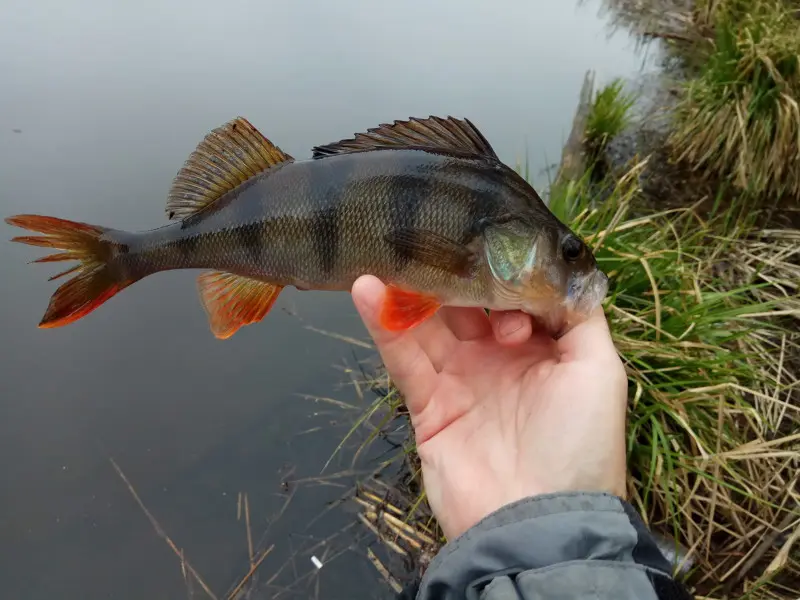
[403,309]
[95,281]
[232,301]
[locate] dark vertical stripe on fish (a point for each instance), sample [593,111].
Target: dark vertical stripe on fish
[479,183]
[482,207]
[325,233]
[407,197]
[252,239]
[325,227]
[187,246]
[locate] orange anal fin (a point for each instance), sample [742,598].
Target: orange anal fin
[232,301]
[404,309]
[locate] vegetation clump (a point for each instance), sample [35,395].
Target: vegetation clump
[608,116]
[738,118]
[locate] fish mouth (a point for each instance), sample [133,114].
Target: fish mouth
[582,304]
[594,291]
[551,311]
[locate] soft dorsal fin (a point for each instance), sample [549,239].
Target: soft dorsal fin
[227,157]
[436,133]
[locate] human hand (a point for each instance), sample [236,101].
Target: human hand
[501,412]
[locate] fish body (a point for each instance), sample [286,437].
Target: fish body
[319,224]
[424,205]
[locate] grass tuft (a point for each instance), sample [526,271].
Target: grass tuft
[740,118]
[609,115]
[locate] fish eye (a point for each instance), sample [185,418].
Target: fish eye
[571,248]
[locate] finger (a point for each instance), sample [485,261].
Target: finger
[466,323]
[588,340]
[436,339]
[404,358]
[512,327]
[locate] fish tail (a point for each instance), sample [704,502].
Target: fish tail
[97,278]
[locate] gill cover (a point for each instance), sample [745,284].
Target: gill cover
[511,251]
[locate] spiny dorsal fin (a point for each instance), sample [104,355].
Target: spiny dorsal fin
[227,157]
[232,301]
[436,133]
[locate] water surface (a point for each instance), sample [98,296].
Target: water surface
[100,104]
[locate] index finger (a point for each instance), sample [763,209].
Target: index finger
[404,358]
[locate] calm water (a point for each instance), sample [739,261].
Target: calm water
[100,103]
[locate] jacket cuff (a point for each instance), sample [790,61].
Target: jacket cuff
[539,532]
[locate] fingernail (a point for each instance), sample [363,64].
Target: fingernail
[510,325]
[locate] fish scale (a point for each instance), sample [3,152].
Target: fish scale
[425,205]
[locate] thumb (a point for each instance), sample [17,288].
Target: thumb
[590,340]
[404,358]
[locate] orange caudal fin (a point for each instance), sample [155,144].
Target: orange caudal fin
[94,281]
[404,309]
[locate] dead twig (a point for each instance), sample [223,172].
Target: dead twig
[161,533]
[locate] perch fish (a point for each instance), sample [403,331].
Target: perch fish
[425,205]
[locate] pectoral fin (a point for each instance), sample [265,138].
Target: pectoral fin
[435,250]
[232,301]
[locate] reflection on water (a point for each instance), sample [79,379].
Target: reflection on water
[100,104]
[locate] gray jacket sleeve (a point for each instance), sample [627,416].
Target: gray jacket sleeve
[554,547]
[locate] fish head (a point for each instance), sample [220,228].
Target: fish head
[546,270]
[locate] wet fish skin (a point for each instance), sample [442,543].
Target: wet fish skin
[415,212]
[319,224]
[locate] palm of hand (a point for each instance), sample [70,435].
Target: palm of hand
[498,418]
